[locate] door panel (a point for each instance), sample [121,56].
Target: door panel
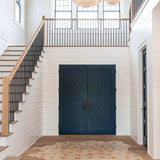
[73,100]
[101,100]
[87,99]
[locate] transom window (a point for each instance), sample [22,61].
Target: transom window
[18,11]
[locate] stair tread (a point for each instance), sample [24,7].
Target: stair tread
[18,85]
[17,92]
[8,60]
[13,111]
[12,122]
[2,148]
[21,78]
[16,55]
[20,71]
[14,50]
[17,46]
[7,65]
[15,101]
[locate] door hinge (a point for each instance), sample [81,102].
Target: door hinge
[115,89]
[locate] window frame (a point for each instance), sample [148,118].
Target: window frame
[69,11]
[19,3]
[98,10]
[112,10]
[119,11]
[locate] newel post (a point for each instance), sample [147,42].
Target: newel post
[5,106]
[43,19]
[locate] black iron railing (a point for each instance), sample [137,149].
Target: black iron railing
[21,78]
[86,32]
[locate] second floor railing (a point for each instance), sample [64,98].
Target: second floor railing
[86,32]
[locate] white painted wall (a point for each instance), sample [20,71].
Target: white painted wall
[125,6]
[35,9]
[10,32]
[29,127]
[144,32]
[81,55]
[156,79]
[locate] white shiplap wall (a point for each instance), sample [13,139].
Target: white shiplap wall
[84,55]
[142,34]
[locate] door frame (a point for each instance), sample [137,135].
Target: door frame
[140,129]
[114,96]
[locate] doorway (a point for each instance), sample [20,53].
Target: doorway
[87,103]
[144,90]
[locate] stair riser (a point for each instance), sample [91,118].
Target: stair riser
[8,62]
[3,140]
[4,74]
[11,57]
[16,48]
[6,68]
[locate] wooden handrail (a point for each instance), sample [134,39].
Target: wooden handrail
[75,19]
[134,15]
[25,52]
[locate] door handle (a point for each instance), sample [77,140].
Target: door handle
[89,105]
[84,106]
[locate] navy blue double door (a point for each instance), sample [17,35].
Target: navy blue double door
[87,99]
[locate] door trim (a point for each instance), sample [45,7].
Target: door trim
[140,95]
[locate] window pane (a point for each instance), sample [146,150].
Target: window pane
[63,11]
[112,24]
[63,23]
[111,15]
[17,12]
[108,7]
[95,9]
[87,15]
[87,24]
[64,5]
[63,15]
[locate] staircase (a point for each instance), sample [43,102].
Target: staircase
[19,89]
[18,68]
